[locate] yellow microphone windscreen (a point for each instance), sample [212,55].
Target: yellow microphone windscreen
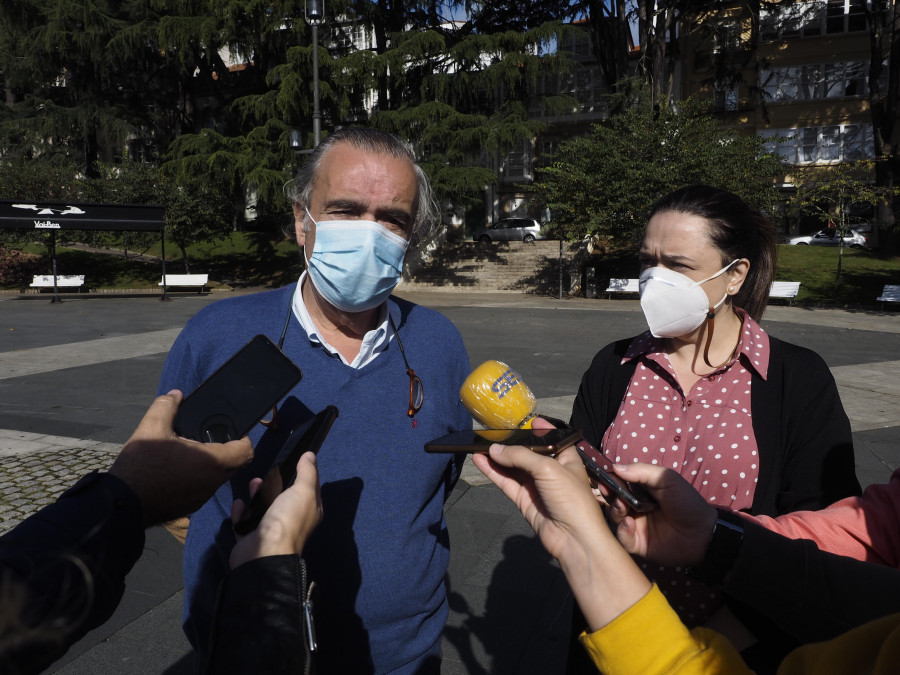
[497,397]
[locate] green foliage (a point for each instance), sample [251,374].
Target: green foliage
[193,213]
[827,192]
[605,183]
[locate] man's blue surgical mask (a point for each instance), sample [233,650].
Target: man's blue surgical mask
[355,264]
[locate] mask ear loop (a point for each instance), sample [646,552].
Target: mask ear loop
[711,325]
[710,328]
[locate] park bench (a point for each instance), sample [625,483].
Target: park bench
[62,281]
[891,293]
[622,286]
[197,281]
[784,289]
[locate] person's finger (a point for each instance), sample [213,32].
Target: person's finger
[647,474]
[237,510]
[160,415]
[307,471]
[541,423]
[254,485]
[517,457]
[626,533]
[569,456]
[618,511]
[497,474]
[235,454]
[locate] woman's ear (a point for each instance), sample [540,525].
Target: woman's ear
[737,274]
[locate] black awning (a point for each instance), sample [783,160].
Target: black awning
[57,216]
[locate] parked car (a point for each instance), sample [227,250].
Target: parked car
[509,229]
[829,237]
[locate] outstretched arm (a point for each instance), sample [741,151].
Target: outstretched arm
[65,566]
[265,600]
[632,628]
[556,500]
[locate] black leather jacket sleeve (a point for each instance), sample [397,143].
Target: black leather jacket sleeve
[259,624]
[62,570]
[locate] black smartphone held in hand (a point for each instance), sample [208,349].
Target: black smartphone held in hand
[306,437]
[239,394]
[543,441]
[635,496]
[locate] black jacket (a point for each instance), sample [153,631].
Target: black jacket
[805,450]
[802,432]
[62,573]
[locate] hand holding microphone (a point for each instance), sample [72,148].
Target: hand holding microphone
[498,398]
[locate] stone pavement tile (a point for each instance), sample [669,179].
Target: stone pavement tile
[11,447]
[30,481]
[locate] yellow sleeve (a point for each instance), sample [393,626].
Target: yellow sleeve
[871,649]
[649,639]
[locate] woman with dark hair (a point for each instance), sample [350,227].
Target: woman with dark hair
[753,423]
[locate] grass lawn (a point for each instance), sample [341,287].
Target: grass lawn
[863,274]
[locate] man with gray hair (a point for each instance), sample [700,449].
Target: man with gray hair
[392,368]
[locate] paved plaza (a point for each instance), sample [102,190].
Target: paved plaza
[76,377]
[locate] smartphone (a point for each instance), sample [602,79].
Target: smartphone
[543,441]
[239,394]
[635,496]
[306,437]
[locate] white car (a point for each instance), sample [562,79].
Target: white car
[829,237]
[509,229]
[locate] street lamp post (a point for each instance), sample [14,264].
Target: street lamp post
[315,10]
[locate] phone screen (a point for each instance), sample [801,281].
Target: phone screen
[306,437]
[544,441]
[240,393]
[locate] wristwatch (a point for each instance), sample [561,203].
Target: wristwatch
[728,535]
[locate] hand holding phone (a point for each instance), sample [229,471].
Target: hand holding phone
[307,437]
[237,395]
[634,495]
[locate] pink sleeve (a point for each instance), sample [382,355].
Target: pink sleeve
[865,528]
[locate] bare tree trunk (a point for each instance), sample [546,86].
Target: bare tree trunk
[883,18]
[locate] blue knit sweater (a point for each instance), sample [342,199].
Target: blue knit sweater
[381,552]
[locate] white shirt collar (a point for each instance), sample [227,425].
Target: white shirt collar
[373,343]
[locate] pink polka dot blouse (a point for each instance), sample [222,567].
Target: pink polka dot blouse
[706,435]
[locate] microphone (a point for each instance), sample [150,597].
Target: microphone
[497,397]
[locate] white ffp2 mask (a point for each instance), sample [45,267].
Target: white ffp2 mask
[673,304]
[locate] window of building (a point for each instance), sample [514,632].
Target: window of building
[824,144]
[584,84]
[548,149]
[725,95]
[518,161]
[811,18]
[578,44]
[815,81]
[727,35]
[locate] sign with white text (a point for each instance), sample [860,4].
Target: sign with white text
[58,216]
